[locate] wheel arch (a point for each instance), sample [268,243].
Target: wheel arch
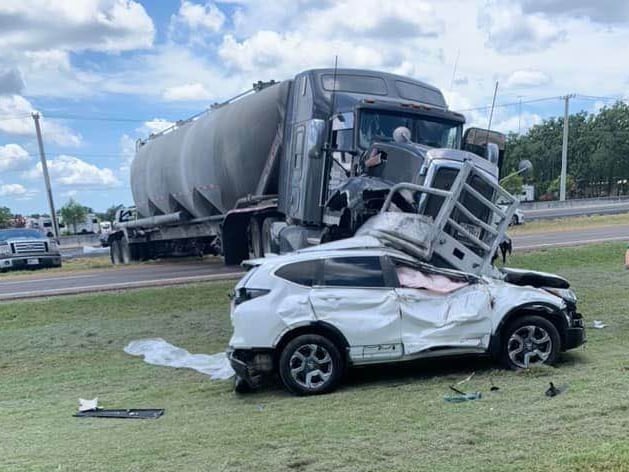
[548,311]
[315,327]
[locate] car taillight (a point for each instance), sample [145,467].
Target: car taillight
[244,294]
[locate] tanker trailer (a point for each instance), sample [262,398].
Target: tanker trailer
[260,173]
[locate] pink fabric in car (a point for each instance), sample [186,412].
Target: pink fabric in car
[411,278]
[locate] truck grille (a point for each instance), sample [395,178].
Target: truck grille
[29,247]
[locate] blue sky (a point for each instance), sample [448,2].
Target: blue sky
[106,72]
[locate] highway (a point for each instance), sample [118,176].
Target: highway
[40,284]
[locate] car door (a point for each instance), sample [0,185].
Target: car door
[442,312]
[354,297]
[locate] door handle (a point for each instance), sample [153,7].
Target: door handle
[331,298]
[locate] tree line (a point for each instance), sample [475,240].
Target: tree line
[598,154]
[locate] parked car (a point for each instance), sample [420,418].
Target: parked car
[310,315]
[27,248]
[517,218]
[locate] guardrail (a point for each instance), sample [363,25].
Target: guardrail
[575,202]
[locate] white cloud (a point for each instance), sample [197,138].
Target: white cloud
[97,25]
[127,153]
[69,171]
[195,91]
[11,81]
[12,190]
[510,31]
[527,78]
[154,126]
[200,17]
[13,157]
[23,125]
[601,11]
[515,123]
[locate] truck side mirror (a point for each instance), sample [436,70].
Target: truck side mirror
[315,137]
[492,153]
[525,166]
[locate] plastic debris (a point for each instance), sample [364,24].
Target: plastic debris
[461,396]
[137,413]
[159,352]
[553,391]
[598,324]
[86,405]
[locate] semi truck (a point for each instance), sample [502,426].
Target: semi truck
[294,163]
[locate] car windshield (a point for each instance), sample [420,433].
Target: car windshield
[5,235]
[378,126]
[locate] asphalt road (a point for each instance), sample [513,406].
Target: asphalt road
[116,278]
[179,272]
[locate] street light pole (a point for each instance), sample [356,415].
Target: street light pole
[564,148]
[44,165]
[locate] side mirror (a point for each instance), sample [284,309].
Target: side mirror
[525,166]
[315,137]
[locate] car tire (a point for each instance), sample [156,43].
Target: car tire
[311,364]
[529,341]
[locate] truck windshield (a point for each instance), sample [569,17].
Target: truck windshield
[378,126]
[5,235]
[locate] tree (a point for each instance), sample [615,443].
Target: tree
[73,213]
[5,217]
[513,185]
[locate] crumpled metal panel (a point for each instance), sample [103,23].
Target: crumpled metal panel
[407,232]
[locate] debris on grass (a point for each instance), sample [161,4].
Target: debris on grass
[156,351]
[461,396]
[90,409]
[553,391]
[598,324]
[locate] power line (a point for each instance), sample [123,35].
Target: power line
[501,105]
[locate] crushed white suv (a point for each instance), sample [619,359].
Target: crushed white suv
[311,314]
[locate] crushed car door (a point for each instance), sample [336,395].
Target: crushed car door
[442,312]
[354,297]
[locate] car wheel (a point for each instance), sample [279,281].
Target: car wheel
[310,364]
[529,341]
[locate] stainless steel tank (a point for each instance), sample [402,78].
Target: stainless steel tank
[204,166]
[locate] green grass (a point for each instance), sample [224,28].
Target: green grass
[72,265]
[390,418]
[569,223]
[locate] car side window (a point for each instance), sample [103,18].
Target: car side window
[301,273]
[353,272]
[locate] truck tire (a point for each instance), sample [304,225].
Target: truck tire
[311,364]
[125,251]
[255,237]
[114,252]
[268,245]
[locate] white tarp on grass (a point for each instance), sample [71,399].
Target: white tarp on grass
[156,351]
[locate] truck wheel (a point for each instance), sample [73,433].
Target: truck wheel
[125,251]
[255,236]
[114,252]
[268,245]
[529,341]
[310,364]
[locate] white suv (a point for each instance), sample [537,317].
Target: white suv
[311,314]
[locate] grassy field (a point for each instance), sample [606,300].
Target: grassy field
[393,418]
[72,265]
[569,223]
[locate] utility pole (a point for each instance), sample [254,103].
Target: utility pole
[44,165]
[564,148]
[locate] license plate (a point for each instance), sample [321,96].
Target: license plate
[32,261]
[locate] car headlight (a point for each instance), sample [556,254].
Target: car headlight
[5,249]
[563,293]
